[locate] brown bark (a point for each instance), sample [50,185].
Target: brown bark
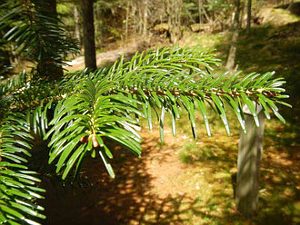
[88,34]
[47,66]
[249,8]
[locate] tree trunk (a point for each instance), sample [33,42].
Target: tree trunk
[242,15]
[88,34]
[134,11]
[249,156]
[127,20]
[174,9]
[77,24]
[249,7]
[140,18]
[47,66]
[230,64]
[145,18]
[200,11]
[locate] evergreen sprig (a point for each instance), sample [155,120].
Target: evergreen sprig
[107,103]
[36,34]
[83,123]
[170,79]
[18,184]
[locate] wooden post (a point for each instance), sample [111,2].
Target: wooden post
[249,156]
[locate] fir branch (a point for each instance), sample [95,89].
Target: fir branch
[18,191]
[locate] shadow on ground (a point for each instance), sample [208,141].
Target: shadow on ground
[95,199]
[137,196]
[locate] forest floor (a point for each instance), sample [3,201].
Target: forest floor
[186,181]
[181,182]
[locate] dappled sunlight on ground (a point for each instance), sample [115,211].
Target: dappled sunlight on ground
[163,188]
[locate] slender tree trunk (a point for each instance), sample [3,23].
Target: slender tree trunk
[140,18]
[200,11]
[249,156]
[145,18]
[77,24]
[127,20]
[242,15]
[230,64]
[135,22]
[88,34]
[47,66]
[249,8]
[174,10]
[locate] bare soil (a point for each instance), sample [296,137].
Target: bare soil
[161,189]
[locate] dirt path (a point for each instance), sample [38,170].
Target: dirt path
[109,56]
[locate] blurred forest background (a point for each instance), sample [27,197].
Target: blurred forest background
[247,35]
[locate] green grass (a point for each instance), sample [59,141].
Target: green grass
[192,152]
[207,41]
